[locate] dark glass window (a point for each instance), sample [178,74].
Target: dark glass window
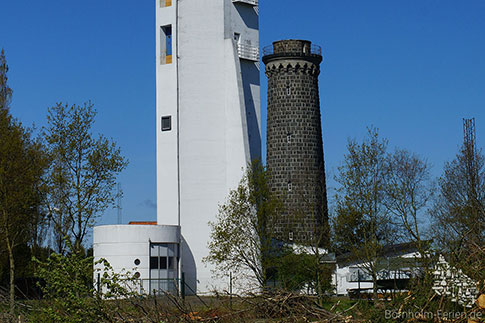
[153,262]
[166,123]
[163,262]
[158,263]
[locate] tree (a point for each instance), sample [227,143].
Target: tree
[83,172]
[242,235]
[459,212]
[408,193]
[22,165]
[5,90]
[363,224]
[67,286]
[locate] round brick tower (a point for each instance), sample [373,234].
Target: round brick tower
[294,141]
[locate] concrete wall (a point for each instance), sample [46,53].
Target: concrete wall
[167,146]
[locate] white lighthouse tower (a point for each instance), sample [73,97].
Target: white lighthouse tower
[208,112]
[208,130]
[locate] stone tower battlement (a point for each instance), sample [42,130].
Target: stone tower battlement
[294,140]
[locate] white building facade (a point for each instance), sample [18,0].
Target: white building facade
[208,114]
[207,123]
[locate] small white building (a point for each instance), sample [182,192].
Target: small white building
[208,130]
[148,251]
[398,264]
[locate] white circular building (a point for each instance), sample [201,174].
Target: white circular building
[149,251]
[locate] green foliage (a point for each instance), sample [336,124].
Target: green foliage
[116,285]
[83,172]
[242,240]
[22,165]
[67,284]
[297,271]
[293,272]
[241,237]
[71,296]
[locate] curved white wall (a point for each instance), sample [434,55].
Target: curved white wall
[121,245]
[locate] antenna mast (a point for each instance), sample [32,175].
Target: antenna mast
[470,154]
[118,206]
[470,136]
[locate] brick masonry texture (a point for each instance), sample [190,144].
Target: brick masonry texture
[294,142]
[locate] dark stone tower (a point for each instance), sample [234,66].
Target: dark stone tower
[294,141]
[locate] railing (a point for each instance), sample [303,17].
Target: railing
[251,2]
[159,286]
[314,50]
[248,52]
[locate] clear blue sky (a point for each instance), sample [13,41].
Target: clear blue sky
[413,68]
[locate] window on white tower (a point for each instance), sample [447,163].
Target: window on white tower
[165,3]
[166,44]
[166,123]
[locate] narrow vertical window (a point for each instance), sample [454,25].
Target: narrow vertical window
[166,44]
[166,123]
[165,3]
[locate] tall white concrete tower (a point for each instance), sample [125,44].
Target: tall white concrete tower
[208,116]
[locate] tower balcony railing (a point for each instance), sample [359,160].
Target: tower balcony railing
[251,2]
[313,50]
[248,52]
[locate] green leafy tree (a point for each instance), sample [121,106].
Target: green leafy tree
[242,235]
[68,289]
[5,90]
[70,295]
[363,225]
[22,165]
[83,172]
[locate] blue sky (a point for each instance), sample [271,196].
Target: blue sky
[412,68]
